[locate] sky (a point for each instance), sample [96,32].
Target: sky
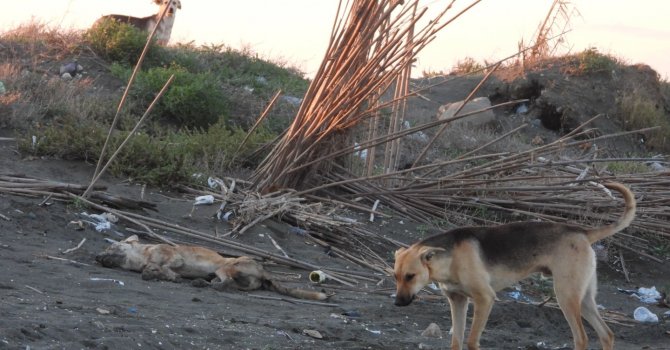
[296,32]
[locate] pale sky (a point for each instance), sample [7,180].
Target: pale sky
[297,31]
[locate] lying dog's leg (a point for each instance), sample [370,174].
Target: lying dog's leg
[459,308]
[591,314]
[161,273]
[483,301]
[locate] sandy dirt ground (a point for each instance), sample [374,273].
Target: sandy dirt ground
[73,303]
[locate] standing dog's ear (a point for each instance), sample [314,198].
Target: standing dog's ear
[399,251]
[132,239]
[428,253]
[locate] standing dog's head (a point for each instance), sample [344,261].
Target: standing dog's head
[173,6]
[413,270]
[125,254]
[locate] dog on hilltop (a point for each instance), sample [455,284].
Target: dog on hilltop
[148,23]
[475,262]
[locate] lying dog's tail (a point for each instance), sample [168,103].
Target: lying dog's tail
[597,234]
[293,292]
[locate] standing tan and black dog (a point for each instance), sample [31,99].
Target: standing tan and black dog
[148,23]
[475,262]
[171,263]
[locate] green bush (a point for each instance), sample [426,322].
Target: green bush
[120,42]
[591,61]
[194,100]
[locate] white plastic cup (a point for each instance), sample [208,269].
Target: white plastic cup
[642,314]
[317,276]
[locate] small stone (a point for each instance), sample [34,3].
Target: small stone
[312,333]
[432,331]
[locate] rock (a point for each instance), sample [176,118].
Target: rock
[432,331]
[66,76]
[312,333]
[448,111]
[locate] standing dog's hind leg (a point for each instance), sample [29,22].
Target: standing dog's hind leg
[591,314]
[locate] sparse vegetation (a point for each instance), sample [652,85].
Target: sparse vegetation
[637,112]
[194,129]
[627,167]
[467,65]
[592,61]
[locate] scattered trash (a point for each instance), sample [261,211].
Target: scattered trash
[132,310]
[297,230]
[102,311]
[108,280]
[432,331]
[34,141]
[352,313]
[317,276]
[521,109]
[109,240]
[200,200]
[645,295]
[376,332]
[655,166]
[642,314]
[101,222]
[361,154]
[518,295]
[2,88]
[312,333]
[227,216]
[666,314]
[433,286]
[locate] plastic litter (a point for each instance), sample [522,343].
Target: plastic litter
[108,280]
[317,276]
[101,222]
[645,295]
[642,314]
[297,230]
[2,88]
[201,200]
[522,109]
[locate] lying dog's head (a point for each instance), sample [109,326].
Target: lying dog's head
[124,254]
[413,270]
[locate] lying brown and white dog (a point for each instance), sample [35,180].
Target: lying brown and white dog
[148,23]
[475,262]
[171,263]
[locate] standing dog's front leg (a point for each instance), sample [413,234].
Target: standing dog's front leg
[459,308]
[483,301]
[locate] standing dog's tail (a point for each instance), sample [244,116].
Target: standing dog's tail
[269,284]
[597,234]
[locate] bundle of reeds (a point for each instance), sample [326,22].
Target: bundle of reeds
[372,42]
